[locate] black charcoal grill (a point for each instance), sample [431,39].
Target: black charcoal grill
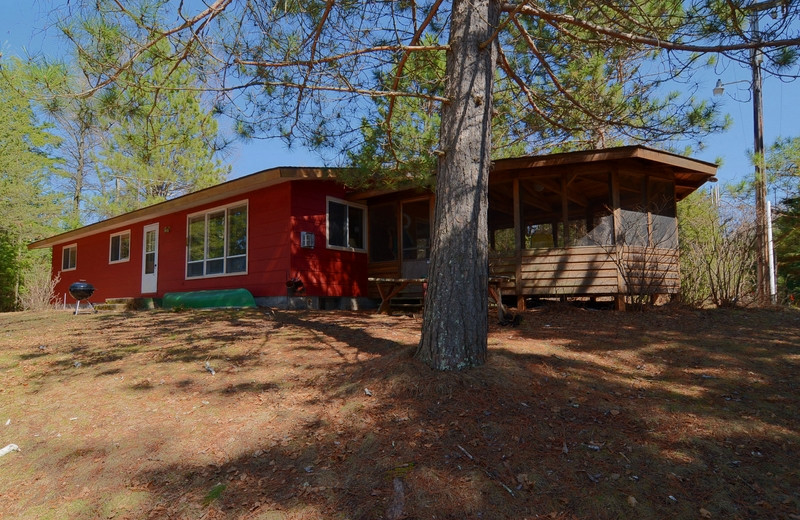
[82,291]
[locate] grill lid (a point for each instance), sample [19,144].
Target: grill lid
[81,290]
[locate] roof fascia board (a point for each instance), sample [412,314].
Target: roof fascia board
[232,188]
[609,154]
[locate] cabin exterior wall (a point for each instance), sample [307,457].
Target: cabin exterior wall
[325,271]
[275,217]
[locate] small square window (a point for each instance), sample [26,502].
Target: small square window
[120,247]
[69,257]
[346,225]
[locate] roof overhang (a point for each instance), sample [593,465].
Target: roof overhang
[690,174]
[258,180]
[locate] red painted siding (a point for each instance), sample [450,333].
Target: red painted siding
[324,272]
[269,252]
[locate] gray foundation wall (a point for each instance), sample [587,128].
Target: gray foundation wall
[317,303]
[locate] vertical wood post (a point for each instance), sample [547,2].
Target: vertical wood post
[619,299]
[518,246]
[565,209]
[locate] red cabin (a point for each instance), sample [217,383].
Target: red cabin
[556,224]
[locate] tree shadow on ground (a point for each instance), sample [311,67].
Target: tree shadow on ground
[528,434]
[576,415]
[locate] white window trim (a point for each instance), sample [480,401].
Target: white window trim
[328,221]
[110,239]
[205,212]
[63,248]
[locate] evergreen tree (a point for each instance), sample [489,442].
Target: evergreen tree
[787,248]
[161,142]
[783,166]
[79,123]
[783,171]
[29,210]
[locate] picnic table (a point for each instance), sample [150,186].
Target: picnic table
[388,288]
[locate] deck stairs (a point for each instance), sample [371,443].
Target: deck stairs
[124,304]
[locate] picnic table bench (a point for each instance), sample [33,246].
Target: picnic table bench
[388,288]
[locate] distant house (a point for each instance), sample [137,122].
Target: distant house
[567,224]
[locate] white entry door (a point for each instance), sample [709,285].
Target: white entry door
[150,259]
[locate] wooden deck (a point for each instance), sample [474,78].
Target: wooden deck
[575,271]
[591,271]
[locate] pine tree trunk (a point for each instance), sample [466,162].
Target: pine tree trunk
[455,326]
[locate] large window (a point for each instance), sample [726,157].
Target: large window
[217,242]
[69,257]
[120,247]
[346,225]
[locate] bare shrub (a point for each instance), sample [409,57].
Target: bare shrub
[718,253]
[38,289]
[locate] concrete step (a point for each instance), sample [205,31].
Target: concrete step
[112,307]
[126,301]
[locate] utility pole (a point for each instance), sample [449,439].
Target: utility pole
[764,287]
[765,271]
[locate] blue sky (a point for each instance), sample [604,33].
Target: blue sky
[21,31]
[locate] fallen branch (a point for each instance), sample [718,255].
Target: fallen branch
[491,474]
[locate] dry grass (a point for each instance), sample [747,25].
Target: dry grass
[578,414]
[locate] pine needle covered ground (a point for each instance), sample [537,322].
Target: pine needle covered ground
[579,414]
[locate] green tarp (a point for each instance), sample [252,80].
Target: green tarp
[221,299]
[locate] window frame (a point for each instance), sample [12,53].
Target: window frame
[63,250]
[364,219]
[111,247]
[206,213]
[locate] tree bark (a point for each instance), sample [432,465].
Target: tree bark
[455,318]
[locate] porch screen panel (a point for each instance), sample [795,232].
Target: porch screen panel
[416,230]
[538,236]
[501,218]
[540,201]
[593,192]
[633,229]
[383,233]
[601,229]
[661,203]
[577,213]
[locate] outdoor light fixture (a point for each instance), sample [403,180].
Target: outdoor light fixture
[719,88]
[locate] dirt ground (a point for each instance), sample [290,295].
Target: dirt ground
[579,414]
